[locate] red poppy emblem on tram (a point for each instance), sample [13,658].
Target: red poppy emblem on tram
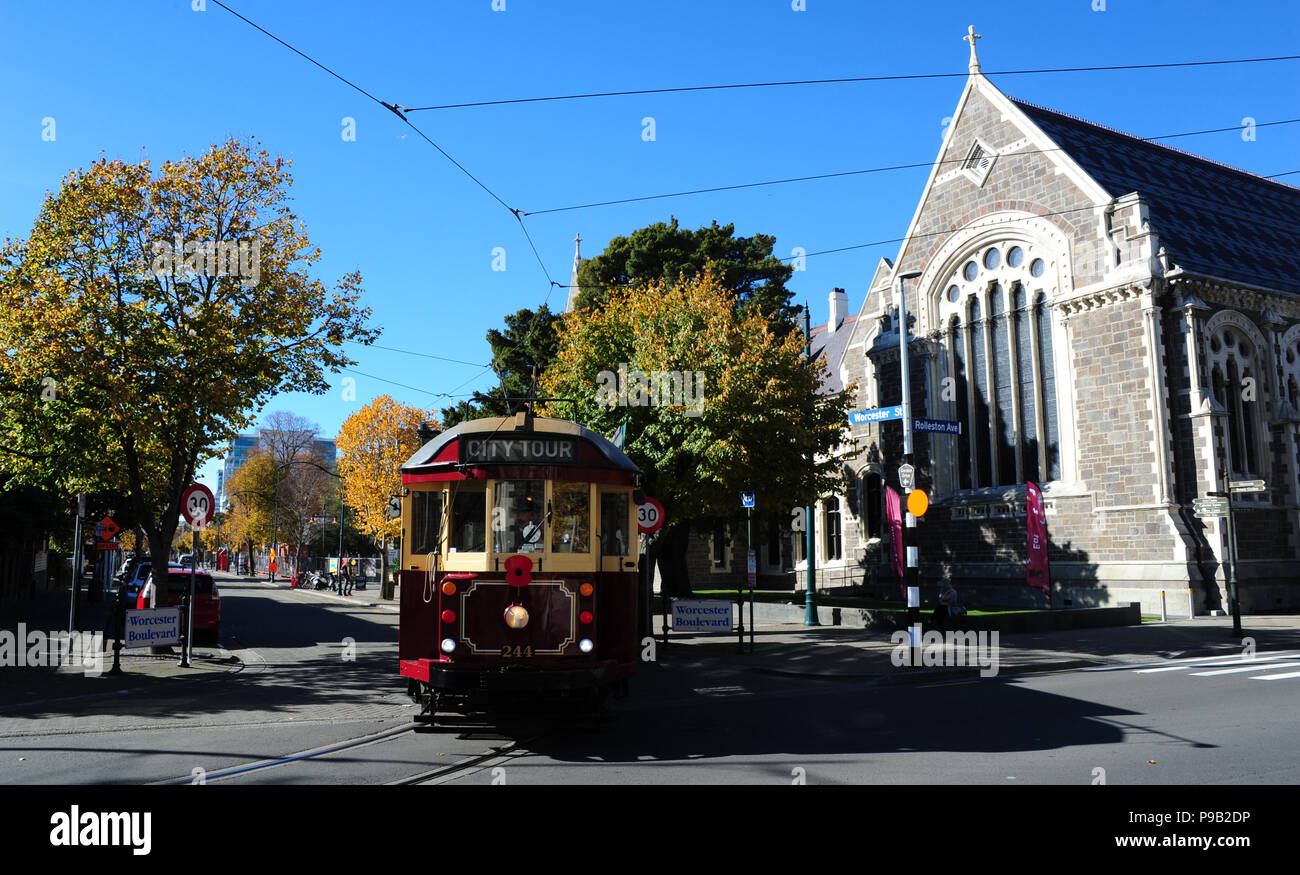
[519,571]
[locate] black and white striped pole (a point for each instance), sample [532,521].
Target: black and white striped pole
[907,478]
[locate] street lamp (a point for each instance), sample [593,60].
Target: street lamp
[909,533]
[810,541]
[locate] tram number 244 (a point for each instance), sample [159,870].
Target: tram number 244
[517,651]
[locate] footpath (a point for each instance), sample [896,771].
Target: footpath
[780,648]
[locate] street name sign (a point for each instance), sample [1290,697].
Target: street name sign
[1210,508]
[1246,486]
[702,615]
[876,414]
[155,627]
[938,426]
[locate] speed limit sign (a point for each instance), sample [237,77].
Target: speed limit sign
[197,505]
[649,516]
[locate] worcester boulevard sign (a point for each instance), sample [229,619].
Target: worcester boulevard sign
[506,450]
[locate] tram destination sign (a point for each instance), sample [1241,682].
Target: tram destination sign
[506,449]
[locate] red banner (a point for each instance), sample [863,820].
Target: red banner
[894,509]
[1037,574]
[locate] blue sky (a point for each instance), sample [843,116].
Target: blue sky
[156,77]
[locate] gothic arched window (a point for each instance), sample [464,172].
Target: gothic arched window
[1234,380]
[1003,387]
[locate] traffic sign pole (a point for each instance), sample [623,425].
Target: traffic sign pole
[1233,600]
[909,533]
[810,524]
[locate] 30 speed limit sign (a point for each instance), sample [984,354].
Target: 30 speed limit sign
[197,505]
[649,516]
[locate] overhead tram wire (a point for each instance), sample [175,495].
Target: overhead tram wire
[884,169]
[417,388]
[427,355]
[400,111]
[849,79]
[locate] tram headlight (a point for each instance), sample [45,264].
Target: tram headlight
[448,645]
[586,645]
[516,616]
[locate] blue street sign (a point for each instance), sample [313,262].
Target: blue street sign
[746,499]
[878,414]
[941,426]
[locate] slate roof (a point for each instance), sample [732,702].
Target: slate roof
[832,346]
[1213,219]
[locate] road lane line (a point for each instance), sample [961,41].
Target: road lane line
[1207,674]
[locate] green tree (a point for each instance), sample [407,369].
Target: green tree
[664,252]
[752,419]
[529,340]
[147,316]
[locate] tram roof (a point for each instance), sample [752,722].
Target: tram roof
[504,426]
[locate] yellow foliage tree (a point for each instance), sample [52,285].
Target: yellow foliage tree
[372,445]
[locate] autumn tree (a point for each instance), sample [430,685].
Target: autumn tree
[252,502]
[373,444]
[146,317]
[752,421]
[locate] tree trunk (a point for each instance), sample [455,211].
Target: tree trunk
[672,561]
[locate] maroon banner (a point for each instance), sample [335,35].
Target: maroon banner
[894,509]
[1037,574]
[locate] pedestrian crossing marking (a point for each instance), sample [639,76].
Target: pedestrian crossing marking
[1236,664]
[1208,674]
[1217,661]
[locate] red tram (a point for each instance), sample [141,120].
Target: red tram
[519,565]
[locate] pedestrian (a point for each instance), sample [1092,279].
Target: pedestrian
[347,579]
[948,605]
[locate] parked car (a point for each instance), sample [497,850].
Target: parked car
[207,600]
[187,560]
[138,576]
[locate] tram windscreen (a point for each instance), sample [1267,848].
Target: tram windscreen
[518,521]
[571,518]
[468,511]
[613,524]
[426,522]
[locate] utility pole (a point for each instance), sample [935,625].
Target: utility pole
[810,541]
[907,471]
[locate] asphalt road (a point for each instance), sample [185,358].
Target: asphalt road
[319,702]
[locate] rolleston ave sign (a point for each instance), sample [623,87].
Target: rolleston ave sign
[505,450]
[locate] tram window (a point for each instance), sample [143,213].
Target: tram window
[571,521]
[517,517]
[426,522]
[468,510]
[613,524]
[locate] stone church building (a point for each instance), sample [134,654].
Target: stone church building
[1111,318]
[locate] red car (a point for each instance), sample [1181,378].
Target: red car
[207,601]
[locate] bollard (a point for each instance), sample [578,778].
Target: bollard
[1164,614]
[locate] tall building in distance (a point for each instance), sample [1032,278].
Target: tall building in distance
[243,446]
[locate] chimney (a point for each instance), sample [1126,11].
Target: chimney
[839,309]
